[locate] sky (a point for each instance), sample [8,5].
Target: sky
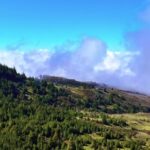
[105,41]
[49,23]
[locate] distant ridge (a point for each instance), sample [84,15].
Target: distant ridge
[62,80]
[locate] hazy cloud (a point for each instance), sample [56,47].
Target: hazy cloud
[145,15]
[140,65]
[90,61]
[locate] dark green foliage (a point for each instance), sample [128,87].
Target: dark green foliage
[40,115]
[68,82]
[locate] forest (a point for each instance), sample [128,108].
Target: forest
[46,114]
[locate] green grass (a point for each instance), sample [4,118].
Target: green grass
[88,147]
[138,121]
[96,136]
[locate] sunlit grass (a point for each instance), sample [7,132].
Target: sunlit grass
[139,121]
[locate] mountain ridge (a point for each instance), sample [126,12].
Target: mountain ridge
[62,80]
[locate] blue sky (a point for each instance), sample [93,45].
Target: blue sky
[48,23]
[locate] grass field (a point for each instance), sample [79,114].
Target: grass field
[138,122]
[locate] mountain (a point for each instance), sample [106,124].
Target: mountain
[58,113]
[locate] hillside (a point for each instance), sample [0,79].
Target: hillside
[59,113]
[100,95]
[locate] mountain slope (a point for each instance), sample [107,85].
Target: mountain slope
[55,114]
[102,97]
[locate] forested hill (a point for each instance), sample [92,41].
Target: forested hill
[70,82]
[57,114]
[9,74]
[58,91]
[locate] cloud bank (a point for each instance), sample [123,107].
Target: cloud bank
[90,61]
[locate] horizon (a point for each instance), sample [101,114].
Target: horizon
[100,41]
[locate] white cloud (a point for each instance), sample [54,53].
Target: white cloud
[117,61]
[90,61]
